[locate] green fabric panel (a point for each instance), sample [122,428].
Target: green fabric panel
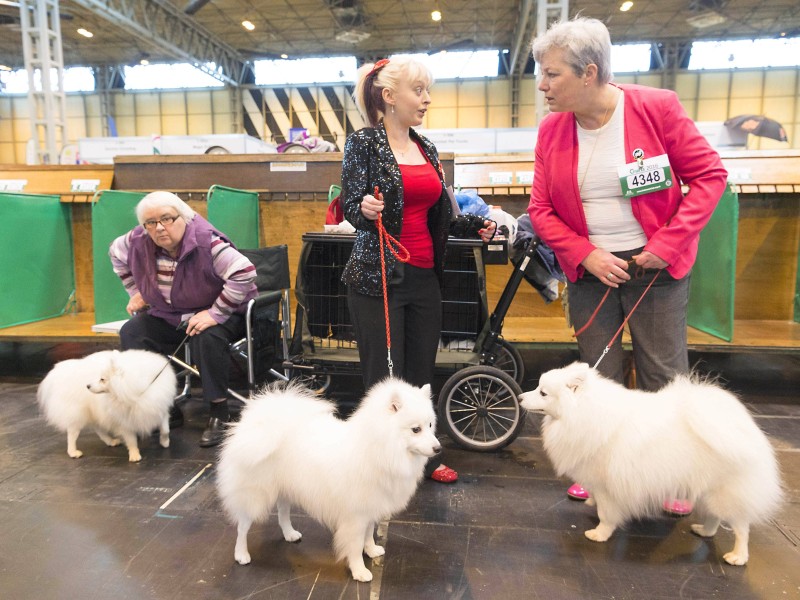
[797,290]
[113,213]
[711,297]
[36,265]
[235,213]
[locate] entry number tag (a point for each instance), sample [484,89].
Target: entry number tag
[643,177]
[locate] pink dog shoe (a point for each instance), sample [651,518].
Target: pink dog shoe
[678,508]
[576,492]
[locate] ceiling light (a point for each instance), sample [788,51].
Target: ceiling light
[626,6]
[707,18]
[284,55]
[436,15]
[248,25]
[5,68]
[352,36]
[144,62]
[85,33]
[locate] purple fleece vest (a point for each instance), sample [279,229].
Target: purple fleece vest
[195,287]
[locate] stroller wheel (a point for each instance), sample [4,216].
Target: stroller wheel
[506,358]
[479,410]
[317,382]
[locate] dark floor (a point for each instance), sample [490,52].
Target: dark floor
[93,527]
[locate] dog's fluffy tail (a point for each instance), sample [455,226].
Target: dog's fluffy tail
[277,410]
[724,424]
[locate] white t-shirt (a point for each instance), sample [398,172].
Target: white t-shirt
[609,217]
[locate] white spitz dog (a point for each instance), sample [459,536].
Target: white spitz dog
[289,448]
[118,393]
[632,450]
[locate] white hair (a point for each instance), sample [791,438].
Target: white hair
[162,199]
[585,42]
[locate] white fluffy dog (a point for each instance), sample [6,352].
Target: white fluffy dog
[632,450]
[289,448]
[119,393]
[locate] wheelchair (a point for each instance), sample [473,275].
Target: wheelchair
[267,325]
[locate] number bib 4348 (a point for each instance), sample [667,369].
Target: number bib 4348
[645,176]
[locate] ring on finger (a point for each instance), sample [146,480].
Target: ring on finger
[609,276]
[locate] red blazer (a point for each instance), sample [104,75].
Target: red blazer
[656,122]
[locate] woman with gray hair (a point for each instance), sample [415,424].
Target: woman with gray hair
[606,197]
[177,268]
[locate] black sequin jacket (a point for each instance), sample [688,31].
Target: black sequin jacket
[369,161]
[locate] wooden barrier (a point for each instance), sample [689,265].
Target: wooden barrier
[294,202]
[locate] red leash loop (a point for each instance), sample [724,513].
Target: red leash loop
[400,253]
[625,320]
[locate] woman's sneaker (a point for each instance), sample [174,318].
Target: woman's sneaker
[678,508]
[576,492]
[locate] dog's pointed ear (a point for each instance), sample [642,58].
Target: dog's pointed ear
[426,389]
[397,403]
[578,375]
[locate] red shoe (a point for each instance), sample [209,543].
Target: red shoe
[444,474]
[678,508]
[576,492]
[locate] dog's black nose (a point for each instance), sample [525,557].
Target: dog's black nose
[88,386]
[437,450]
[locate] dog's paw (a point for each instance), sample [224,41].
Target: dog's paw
[134,456]
[361,573]
[293,536]
[243,558]
[76,454]
[164,441]
[114,442]
[699,529]
[732,558]
[374,551]
[596,535]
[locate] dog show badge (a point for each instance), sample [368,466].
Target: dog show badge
[646,175]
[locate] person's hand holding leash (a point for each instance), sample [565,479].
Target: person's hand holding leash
[135,304]
[199,322]
[606,267]
[372,206]
[648,260]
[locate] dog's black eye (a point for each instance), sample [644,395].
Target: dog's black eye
[542,393]
[416,429]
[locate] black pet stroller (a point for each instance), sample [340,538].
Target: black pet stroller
[478,404]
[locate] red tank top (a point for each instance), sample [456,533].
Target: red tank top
[421,190]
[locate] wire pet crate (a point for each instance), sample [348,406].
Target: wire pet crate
[325,296]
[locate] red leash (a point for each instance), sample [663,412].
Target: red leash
[625,320]
[400,253]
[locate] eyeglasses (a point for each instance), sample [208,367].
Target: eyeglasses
[166,221]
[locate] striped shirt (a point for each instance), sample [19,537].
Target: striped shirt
[229,264]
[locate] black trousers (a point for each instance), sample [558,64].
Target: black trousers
[209,349]
[415,321]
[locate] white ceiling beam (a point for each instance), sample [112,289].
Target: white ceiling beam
[165,26]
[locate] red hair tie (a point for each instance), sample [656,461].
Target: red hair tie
[378,66]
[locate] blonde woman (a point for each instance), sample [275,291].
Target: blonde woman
[393,96]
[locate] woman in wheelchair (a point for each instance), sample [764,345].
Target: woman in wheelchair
[179,270]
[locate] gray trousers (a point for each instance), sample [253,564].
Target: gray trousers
[657,327]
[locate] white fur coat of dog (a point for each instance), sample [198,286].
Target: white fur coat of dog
[289,448]
[632,450]
[121,394]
